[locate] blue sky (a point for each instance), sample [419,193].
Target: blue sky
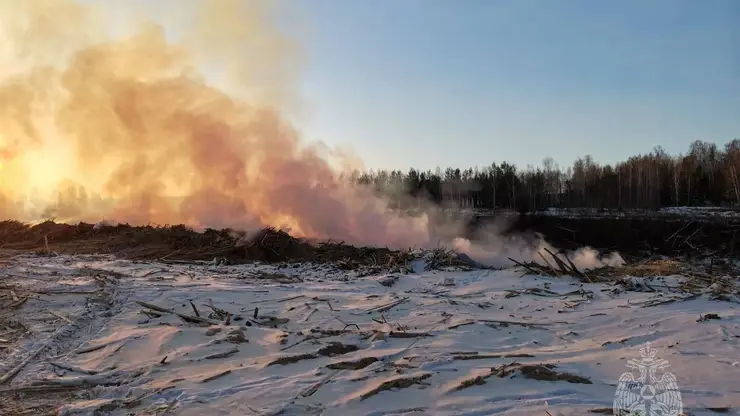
[462,83]
[428,83]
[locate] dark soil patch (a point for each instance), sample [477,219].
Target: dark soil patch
[333,349]
[337,348]
[353,365]
[542,372]
[638,237]
[291,359]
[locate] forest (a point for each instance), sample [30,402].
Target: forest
[705,176]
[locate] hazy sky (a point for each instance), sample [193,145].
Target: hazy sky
[442,82]
[461,83]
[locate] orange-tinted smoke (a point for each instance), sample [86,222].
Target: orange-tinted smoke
[126,123]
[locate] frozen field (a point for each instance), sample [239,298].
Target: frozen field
[94,335]
[706,213]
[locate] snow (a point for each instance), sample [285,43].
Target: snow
[667,212]
[83,310]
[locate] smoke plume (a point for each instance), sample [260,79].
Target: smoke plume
[105,114]
[129,127]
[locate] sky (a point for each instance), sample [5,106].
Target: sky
[464,83]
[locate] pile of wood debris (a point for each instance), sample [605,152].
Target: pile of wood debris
[719,279]
[181,244]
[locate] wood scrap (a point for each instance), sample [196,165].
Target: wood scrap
[15,370]
[62,317]
[17,303]
[315,387]
[80,370]
[222,354]
[195,310]
[387,306]
[185,317]
[397,382]
[215,376]
[95,347]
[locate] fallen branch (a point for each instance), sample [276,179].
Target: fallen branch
[564,267]
[533,271]
[81,370]
[17,303]
[518,323]
[102,379]
[353,365]
[62,317]
[95,347]
[280,300]
[215,376]
[223,354]
[311,390]
[397,334]
[195,310]
[545,260]
[398,382]
[387,306]
[15,370]
[657,302]
[184,317]
[477,356]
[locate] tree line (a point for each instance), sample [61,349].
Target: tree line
[704,176]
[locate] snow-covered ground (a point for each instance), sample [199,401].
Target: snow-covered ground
[310,340]
[669,212]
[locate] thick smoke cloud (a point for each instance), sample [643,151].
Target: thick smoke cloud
[128,127]
[106,114]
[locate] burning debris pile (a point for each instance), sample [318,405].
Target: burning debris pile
[173,244]
[564,265]
[717,278]
[180,244]
[271,245]
[150,242]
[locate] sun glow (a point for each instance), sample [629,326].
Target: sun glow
[126,127]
